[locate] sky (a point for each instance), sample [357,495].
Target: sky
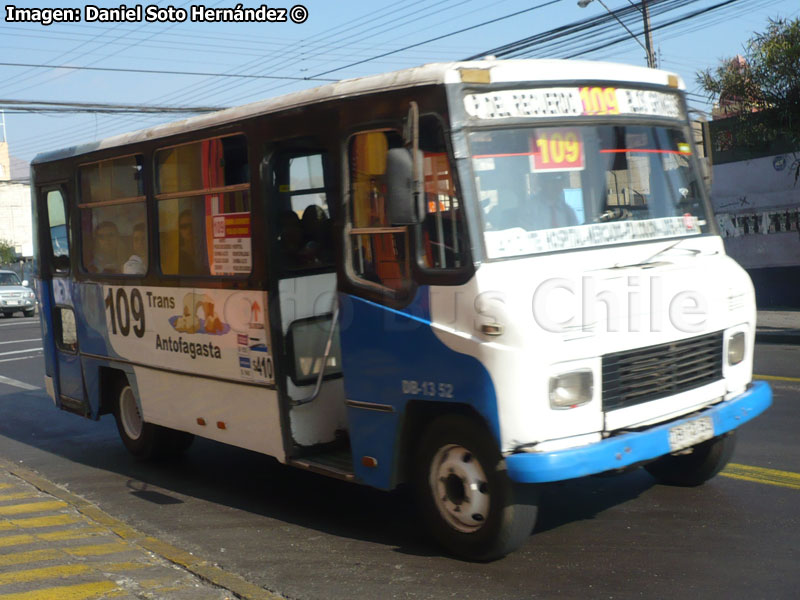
[336,40]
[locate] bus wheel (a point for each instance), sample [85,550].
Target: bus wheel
[687,470]
[471,506]
[142,439]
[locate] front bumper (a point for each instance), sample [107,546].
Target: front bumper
[630,448]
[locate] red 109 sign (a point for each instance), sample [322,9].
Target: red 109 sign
[557,149]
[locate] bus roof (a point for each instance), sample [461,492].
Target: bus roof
[501,71]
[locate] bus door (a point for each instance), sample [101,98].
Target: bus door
[57,310]
[308,300]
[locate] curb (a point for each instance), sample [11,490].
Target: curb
[206,571]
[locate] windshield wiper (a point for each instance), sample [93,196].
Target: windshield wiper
[648,262]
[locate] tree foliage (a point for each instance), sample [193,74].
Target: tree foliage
[761,89]
[7,253]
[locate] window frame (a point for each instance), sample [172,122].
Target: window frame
[44,192]
[80,206]
[158,197]
[274,162]
[399,297]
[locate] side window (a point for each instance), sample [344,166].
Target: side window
[305,235]
[59,232]
[66,333]
[203,193]
[444,240]
[379,253]
[113,216]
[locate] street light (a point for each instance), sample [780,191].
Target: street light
[651,60]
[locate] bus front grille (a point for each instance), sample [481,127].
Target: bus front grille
[644,374]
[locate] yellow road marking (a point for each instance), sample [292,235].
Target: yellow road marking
[20,558]
[5,486]
[43,573]
[98,549]
[15,540]
[70,534]
[19,509]
[81,591]
[61,571]
[761,475]
[18,496]
[777,378]
[32,522]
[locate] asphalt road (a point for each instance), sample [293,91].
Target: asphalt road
[307,537]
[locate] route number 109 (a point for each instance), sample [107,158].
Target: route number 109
[125,315]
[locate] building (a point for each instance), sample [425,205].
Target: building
[16,224]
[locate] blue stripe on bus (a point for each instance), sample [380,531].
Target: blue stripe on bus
[630,448]
[381,349]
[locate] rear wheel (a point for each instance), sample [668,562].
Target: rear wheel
[688,470]
[471,506]
[142,439]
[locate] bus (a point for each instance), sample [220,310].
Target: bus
[473,278]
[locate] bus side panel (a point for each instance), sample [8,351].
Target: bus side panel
[247,416]
[48,339]
[391,357]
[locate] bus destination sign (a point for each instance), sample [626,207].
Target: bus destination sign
[572,102]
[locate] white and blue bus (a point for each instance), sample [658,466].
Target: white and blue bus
[471,277]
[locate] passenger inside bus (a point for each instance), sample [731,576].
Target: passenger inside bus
[105,249]
[137,263]
[317,237]
[189,263]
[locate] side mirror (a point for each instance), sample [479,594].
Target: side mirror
[404,194]
[25,283]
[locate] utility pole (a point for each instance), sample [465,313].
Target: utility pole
[648,38]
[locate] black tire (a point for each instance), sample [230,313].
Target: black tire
[501,513]
[689,470]
[144,440]
[28,313]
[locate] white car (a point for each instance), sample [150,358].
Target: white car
[15,295]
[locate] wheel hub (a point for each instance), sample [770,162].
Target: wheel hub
[129,414]
[460,489]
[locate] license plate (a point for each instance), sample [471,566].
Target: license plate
[13,302]
[691,433]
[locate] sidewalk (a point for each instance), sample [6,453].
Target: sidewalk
[778,326]
[55,545]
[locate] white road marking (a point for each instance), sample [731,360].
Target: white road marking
[20,351]
[37,355]
[18,383]
[20,322]
[20,341]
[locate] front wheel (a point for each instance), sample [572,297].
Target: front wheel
[145,440]
[471,506]
[693,469]
[28,313]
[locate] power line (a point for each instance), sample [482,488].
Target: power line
[162,72]
[440,37]
[98,107]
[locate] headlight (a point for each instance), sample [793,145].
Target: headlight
[29,294]
[572,389]
[736,348]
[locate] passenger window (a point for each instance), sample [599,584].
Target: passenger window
[305,339]
[114,217]
[66,332]
[379,252]
[444,240]
[305,232]
[203,192]
[59,232]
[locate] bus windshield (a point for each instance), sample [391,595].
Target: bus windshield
[546,189]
